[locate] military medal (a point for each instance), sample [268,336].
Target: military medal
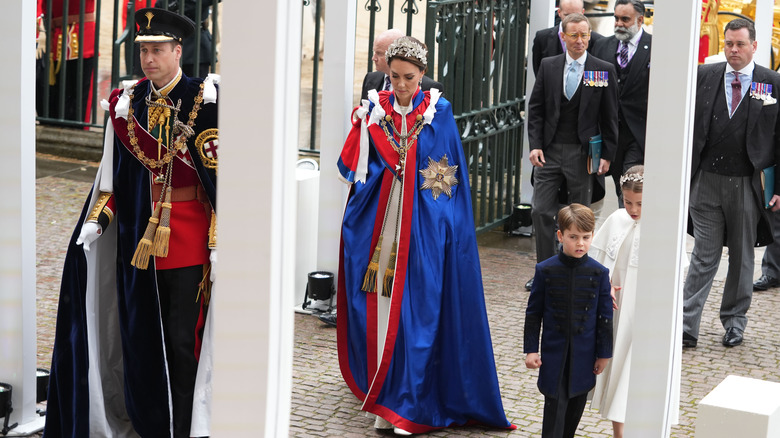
[595,78]
[761,91]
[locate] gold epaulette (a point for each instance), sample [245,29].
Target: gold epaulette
[100,207]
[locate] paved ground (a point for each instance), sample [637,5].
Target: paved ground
[321,403]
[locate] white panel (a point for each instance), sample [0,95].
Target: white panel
[665,201]
[338,74]
[541,17]
[306,230]
[764,17]
[258,123]
[17,216]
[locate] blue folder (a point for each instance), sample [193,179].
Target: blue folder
[768,184]
[594,154]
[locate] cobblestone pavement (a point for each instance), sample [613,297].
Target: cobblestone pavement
[322,405]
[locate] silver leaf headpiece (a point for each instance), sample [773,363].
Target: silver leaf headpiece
[407,47]
[632,177]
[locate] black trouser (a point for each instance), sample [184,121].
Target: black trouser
[562,414]
[72,80]
[178,289]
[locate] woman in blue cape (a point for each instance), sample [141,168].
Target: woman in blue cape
[413,337]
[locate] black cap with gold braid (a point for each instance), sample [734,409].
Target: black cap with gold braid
[160,25]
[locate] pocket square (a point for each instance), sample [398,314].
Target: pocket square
[770,101]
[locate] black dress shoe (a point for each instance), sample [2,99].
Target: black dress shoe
[733,337]
[529,284]
[764,282]
[328,318]
[688,341]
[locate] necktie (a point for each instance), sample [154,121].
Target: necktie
[387,83]
[736,92]
[572,79]
[623,55]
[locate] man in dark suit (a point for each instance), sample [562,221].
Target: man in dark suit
[380,79]
[574,98]
[629,51]
[736,135]
[548,42]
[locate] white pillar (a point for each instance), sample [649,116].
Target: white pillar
[656,360]
[253,296]
[17,217]
[541,17]
[337,79]
[764,17]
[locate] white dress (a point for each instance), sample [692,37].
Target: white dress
[616,246]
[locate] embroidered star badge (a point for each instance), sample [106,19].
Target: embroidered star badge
[439,177]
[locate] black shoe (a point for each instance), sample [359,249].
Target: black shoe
[529,284]
[764,282]
[688,341]
[733,337]
[328,318]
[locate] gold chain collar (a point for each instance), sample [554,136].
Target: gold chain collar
[179,143]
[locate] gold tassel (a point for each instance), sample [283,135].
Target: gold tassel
[369,281]
[204,287]
[144,249]
[163,235]
[387,285]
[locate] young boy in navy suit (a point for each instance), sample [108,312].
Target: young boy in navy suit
[571,298]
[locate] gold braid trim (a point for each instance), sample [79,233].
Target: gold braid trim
[213,231]
[100,208]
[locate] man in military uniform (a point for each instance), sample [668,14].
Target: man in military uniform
[71,38]
[137,273]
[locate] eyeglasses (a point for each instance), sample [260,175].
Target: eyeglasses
[575,36]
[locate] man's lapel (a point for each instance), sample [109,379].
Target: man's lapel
[706,94]
[555,78]
[587,92]
[755,105]
[641,58]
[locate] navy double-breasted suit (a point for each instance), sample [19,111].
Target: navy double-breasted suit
[570,303]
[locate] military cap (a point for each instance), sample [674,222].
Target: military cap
[160,25]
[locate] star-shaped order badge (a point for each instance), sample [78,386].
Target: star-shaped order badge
[439,177]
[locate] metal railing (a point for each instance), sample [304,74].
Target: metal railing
[478,48]
[202,12]
[66,79]
[67,82]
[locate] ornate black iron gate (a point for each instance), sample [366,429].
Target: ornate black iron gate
[478,48]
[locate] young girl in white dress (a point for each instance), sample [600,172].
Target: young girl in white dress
[616,246]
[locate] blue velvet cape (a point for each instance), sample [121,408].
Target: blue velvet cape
[437,369]
[143,371]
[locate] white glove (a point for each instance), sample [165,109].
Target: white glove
[213,260]
[90,231]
